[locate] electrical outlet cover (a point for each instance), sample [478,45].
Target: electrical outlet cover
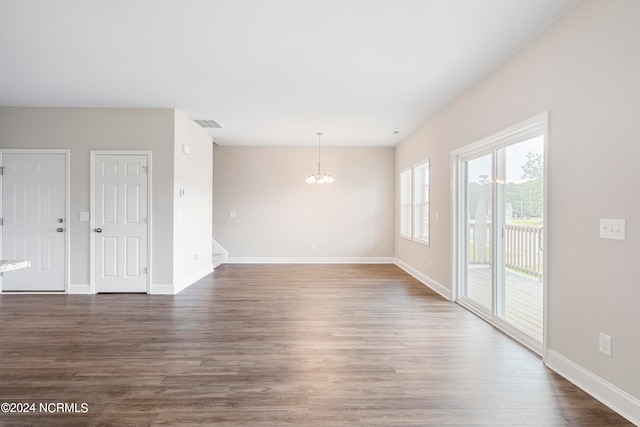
[605,344]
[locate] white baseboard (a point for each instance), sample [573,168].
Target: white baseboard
[79,289]
[616,399]
[161,289]
[33,293]
[426,280]
[309,260]
[193,278]
[173,289]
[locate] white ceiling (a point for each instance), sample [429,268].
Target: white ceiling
[271,72]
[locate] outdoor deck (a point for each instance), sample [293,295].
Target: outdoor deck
[523,297]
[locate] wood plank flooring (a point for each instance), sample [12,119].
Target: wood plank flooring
[277,345]
[523,298]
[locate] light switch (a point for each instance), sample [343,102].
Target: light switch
[232,214]
[614,229]
[84,216]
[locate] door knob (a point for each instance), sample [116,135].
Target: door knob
[98,230]
[59,230]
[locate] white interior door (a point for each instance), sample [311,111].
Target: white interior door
[34,223]
[120,223]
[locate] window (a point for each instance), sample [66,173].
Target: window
[405,203]
[421,202]
[414,203]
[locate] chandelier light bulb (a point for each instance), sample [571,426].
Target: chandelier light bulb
[319,176]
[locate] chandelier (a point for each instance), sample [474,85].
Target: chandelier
[318,176]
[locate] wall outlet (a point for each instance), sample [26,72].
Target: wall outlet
[195,257]
[605,344]
[431,264]
[232,214]
[314,246]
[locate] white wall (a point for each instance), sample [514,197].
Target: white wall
[280,216]
[192,210]
[585,71]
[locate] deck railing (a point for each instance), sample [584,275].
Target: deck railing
[523,248]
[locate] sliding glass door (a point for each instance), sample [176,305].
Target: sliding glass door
[500,247]
[522,197]
[479,236]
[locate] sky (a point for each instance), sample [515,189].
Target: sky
[516,155]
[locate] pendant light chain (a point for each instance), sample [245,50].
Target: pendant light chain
[319,162]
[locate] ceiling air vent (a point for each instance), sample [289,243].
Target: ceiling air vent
[205,123]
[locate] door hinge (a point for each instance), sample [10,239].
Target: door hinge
[146,270]
[1,170]
[146,168]
[1,221]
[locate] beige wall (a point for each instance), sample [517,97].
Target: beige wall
[585,71]
[280,216]
[85,129]
[162,131]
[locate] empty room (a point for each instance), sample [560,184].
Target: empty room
[317,213]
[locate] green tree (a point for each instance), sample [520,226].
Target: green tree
[534,168]
[515,196]
[532,188]
[477,191]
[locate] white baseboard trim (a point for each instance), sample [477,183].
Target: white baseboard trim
[426,280]
[173,289]
[33,293]
[616,399]
[193,278]
[161,289]
[309,260]
[79,289]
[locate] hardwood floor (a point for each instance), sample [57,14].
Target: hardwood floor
[523,297]
[299,345]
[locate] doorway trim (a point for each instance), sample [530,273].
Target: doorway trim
[67,210]
[496,140]
[92,209]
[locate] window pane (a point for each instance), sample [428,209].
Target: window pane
[405,203]
[421,202]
